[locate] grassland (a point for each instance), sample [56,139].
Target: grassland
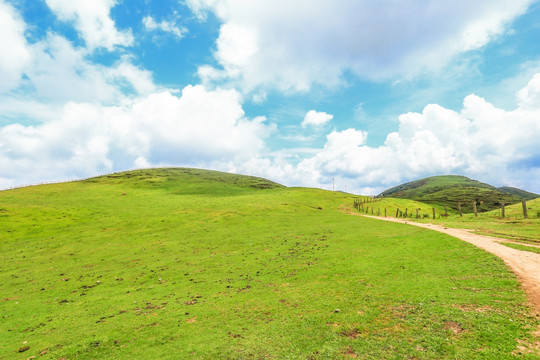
[522,247]
[189,264]
[513,226]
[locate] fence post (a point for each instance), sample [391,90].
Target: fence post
[502,210]
[397,212]
[524,203]
[459,209]
[384,212]
[417,213]
[474,208]
[445,211]
[406,210]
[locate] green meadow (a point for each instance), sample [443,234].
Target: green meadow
[512,226]
[193,264]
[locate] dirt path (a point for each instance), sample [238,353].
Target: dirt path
[525,264]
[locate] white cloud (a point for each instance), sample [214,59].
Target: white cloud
[480,141]
[15,54]
[209,129]
[59,72]
[529,96]
[53,69]
[165,26]
[137,80]
[92,20]
[198,128]
[316,119]
[291,45]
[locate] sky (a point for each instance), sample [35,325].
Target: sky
[351,95]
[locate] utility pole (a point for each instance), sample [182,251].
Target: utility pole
[333,185]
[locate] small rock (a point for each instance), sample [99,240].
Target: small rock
[336,310]
[24,348]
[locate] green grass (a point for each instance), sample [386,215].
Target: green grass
[518,192]
[513,226]
[189,264]
[522,247]
[450,190]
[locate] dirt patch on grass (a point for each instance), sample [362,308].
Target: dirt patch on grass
[472,308]
[351,333]
[349,352]
[454,327]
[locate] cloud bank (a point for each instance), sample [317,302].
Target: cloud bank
[293,45]
[197,128]
[481,141]
[73,117]
[12,62]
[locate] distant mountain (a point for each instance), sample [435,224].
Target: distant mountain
[450,190]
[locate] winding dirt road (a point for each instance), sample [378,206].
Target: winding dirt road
[525,264]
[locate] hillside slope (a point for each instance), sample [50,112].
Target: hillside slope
[450,190]
[185,181]
[193,264]
[518,192]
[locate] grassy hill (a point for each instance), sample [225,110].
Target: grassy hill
[192,264]
[451,189]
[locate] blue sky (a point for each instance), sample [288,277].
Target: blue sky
[364,93]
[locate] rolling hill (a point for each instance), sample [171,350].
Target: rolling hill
[453,189]
[195,264]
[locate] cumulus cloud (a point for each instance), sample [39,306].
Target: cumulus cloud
[92,20]
[165,26]
[208,128]
[197,128]
[291,45]
[53,69]
[529,96]
[56,71]
[481,141]
[15,52]
[316,119]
